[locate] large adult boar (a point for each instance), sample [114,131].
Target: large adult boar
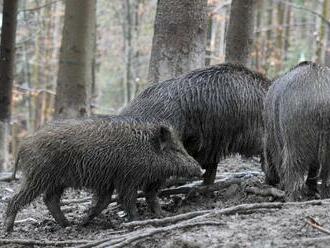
[102,155]
[297,130]
[217,111]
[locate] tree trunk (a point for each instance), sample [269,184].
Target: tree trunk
[327,47]
[287,31]
[179,38]
[239,39]
[7,68]
[320,48]
[76,57]
[280,36]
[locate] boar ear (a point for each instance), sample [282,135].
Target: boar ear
[165,137]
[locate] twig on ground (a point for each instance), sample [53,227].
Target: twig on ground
[8,179]
[26,220]
[67,202]
[269,191]
[313,223]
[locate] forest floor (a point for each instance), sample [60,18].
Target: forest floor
[230,216]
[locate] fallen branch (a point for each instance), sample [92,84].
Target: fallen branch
[199,188]
[225,211]
[29,242]
[266,192]
[147,234]
[226,175]
[99,242]
[167,220]
[313,223]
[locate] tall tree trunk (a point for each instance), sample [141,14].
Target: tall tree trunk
[179,38]
[75,67]
[7,68]
[320,48]
[239,39]
[327,47]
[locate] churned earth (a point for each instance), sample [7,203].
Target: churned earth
[214,218]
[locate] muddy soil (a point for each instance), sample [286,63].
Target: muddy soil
[284,227]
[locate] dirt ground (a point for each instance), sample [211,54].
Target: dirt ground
[283,226]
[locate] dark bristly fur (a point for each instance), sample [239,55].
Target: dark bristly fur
[297,125]
[103,154]
[217,111]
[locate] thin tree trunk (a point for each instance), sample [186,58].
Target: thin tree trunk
[7,68]
[128,33]
[76,56]
[287,30]
[327,49]
[280,37]
[179,38]
[239,38]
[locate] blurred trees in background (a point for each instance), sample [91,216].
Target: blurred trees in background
[285,32]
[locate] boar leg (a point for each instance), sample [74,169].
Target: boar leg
[52,201]
[293,175]
[311,182]
[210,173]
[26,195]
[129,202]
[103,200]
[151,191]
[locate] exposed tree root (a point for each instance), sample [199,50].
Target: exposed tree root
[269,191]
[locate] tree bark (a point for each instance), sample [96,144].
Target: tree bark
[239,39]
[179,38]
[73,90]
[320,54]
[327,48]
[7,68]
